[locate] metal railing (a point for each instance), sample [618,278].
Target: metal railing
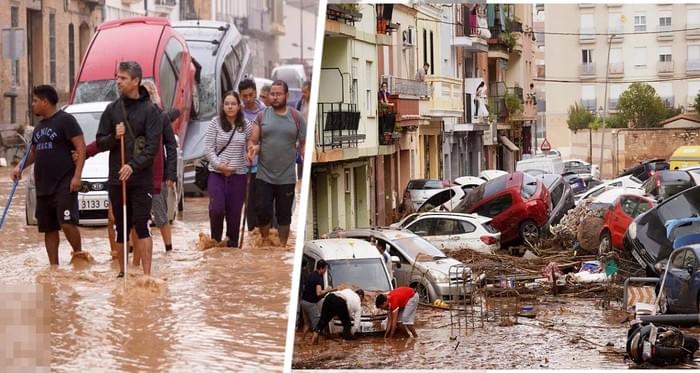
[409,87]
[665,66]
[337,125]
[616,68]
[587,68]
[667,28]
[385,129]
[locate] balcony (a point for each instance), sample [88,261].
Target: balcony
[497,48]
[469,36]
[340,20]
[589,104]
[693,67]
[693,31]
[406,87]
[586,35]
[337,125]
[616,69]
[664,67]
[587,70]
[497,103]
[386,129]
[446,96]
[665,33]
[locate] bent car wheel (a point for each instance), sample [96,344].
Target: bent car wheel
[529,231]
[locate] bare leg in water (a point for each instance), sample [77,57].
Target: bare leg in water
[111,233]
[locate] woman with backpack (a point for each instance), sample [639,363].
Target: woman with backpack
[225,145]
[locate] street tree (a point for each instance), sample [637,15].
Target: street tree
[579,117]
[641,107]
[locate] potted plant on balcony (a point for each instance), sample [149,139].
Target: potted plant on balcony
[514,107]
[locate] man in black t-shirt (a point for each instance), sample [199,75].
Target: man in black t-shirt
[57,176]
[312,293]
[134,117]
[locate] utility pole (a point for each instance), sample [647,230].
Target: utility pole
[605,105]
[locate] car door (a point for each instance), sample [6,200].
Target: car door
[402,272]
[424,227]
[674,282]
[465,235]
[445,234]
[622,217]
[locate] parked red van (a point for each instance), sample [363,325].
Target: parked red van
[518,203]
[156,46]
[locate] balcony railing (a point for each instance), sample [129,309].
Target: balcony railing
[665,67]
[587,69]
[589,104]
[337,125]
[387,123]
[616,68]
[586,34]
[343,13]
[408,87]
[665,28]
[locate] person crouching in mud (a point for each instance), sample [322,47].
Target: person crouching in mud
[225,144]
[345,304]
[401,303]
[276,132]
[57,177]
[134,118]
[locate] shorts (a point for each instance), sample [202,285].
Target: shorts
[407,315]
[282,196]
[311,313]
[159,209]
[138,210]
[58,208]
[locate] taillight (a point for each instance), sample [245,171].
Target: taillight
[489,240]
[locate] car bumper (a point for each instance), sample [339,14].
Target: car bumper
[92,208]
[368,325]
[453,292]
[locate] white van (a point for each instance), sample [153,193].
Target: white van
[351,262]
[549,164]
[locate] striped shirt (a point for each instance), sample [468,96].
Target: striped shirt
[234,154]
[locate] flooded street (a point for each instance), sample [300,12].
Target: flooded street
[566,334]
[216,310]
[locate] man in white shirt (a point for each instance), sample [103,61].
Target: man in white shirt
[347,306]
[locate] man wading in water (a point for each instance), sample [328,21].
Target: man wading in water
[134,117]
[275,135]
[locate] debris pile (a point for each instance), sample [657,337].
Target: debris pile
[580,228]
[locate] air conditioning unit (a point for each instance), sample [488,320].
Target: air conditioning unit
[409,37]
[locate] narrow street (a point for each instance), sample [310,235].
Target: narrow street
[218,310]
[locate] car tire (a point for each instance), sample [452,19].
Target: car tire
[605,243]
[424,294]
[529,232]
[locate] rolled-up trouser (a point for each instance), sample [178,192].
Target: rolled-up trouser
[334,306]
[226,195]
[138,209]
[311,313]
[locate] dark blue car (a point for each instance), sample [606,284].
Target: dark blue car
[682,287]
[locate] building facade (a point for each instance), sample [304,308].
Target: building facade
[644,42]
[54,35]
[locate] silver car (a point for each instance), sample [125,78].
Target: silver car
[93,201]
[421,265]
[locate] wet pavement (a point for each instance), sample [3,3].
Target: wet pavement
[216,310]
[566,334]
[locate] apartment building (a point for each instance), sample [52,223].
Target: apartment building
[645,42]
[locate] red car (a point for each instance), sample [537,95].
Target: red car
[518,203]
[619,216]
[156,46]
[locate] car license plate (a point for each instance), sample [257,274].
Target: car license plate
[94,204]
[639,259]
[367,328]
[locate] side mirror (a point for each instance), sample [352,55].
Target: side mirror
[396,261]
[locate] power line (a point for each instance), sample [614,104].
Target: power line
[611,81]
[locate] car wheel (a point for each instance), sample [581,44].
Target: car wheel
[605,243]
[423,294]
[529,232]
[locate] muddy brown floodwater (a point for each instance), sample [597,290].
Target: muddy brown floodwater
[566,334]
[216,310]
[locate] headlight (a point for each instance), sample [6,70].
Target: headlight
[439,276]
[632,230]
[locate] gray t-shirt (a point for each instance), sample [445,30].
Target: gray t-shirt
[278,148]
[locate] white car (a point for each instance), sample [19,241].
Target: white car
[419,190]
[352,262]
[628,181]
[453,231]
[491,174]
[93,200]
[583,169]
[469,181]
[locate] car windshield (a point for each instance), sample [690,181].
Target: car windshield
[437,200]
[97,90]
[481,192]
[367,274]
[684,205]
[425,184]
[529,186]
[88,123]
[413,246]
[203,54]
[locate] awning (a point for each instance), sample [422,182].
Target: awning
[509,144]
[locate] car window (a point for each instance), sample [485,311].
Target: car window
[175,50]
[642,207]
[422,227]
[416,184]
[529,186]
[433,184]
[467,227]
[393,251]
[410,219]
[495,207]
[557,193]
[447,227]
[489,227]
[628,205]
[678,260]
[168,82]
[413,246]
